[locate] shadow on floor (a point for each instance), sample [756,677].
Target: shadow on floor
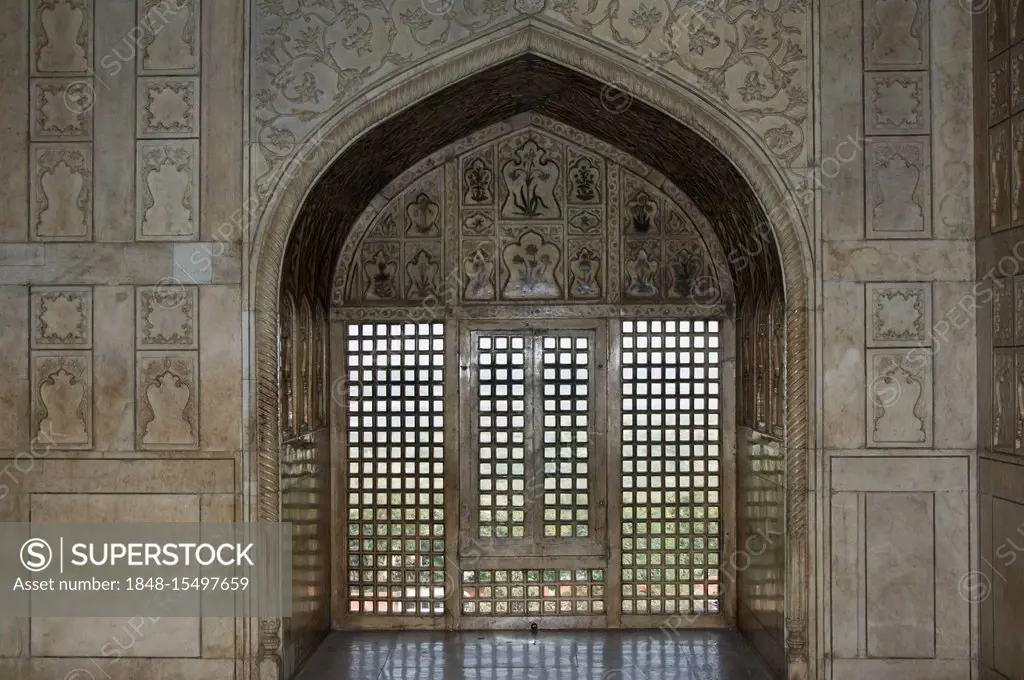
[554,655]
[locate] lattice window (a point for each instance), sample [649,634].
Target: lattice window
[533,592]
[395,468]
[566,376]
[501,389]
[671,533]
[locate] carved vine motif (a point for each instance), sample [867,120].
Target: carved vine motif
[311,59]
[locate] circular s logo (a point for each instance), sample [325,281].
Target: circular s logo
[79,674]
[36,554]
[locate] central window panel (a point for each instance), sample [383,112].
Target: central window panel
[531,400]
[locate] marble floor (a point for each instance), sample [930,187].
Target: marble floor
[554,655]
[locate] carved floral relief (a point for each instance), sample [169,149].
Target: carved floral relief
[166,317]
[1002,312]
[168,107]
[478,267]
[897,102]
[899,314]
[61,109]
[168,401]
[62,192]
[999,176]
[585,270]
[380,271]
[896,34]
[530,172]
[170,37]
[61,317]
[532,267]
[1004,409]
[62,399]
[61,36]
[605,240]
[899,398]
[999,88]
[167,189]
[1017,169]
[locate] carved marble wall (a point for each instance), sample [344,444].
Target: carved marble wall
[999,128]
[122,373]
[899,318]
[127,327]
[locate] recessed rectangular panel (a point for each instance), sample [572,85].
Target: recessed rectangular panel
[900,578]
[394,396]
[671,453]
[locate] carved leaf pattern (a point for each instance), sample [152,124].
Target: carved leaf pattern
[312,58]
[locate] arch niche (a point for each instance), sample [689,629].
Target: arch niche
[697,146]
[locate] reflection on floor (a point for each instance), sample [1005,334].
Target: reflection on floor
[555,655]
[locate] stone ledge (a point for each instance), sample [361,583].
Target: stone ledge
[899,260]
[195,262]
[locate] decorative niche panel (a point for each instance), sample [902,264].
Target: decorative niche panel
[530,210]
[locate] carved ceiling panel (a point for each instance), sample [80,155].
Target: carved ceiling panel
[530,210]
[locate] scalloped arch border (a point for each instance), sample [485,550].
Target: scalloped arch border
[677,101]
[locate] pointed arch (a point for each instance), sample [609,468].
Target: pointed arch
[764,231]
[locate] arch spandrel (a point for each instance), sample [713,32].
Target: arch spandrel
[609,233]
